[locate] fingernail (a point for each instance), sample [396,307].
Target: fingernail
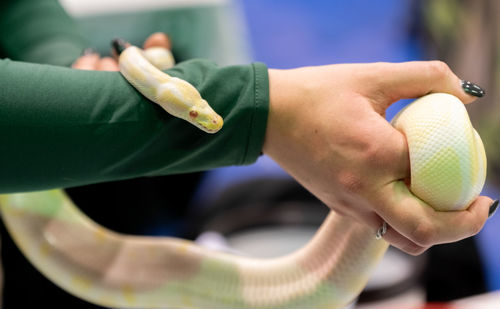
[119,45]
[472,89]
[493,208]
[89,51]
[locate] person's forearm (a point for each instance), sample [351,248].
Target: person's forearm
[63,127]
[39,31]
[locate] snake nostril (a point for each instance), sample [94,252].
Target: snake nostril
[193,114]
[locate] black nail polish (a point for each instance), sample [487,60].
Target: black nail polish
[493,208]
[472,89]
[119,45]
[89,51]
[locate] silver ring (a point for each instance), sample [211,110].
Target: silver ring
[381,231]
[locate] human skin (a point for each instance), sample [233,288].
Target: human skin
[92,60]
[327,129]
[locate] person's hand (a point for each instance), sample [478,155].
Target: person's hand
[90,60]
[327,129]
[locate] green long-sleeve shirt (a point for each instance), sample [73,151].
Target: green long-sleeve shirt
[61,127]
[39,31]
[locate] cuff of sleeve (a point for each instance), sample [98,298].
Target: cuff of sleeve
[258,123]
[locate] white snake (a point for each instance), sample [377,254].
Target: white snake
[178,97]
[448,167]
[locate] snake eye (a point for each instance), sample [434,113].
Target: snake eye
[193,114]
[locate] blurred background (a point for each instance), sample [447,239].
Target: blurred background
[258,209]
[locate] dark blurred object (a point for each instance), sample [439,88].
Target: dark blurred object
[466,35]
[260,202]
[454,271]
[143,206]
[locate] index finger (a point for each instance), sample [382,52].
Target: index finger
[419,222]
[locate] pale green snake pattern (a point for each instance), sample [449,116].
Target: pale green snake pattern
[448,168]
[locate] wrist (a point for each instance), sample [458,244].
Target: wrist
[283,92]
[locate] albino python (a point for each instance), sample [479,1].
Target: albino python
[448,167]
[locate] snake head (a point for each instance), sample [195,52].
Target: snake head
[205,118]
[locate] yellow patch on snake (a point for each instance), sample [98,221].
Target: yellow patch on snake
[128,294]
[177,97]
[184,247]
[479,166]
[45,250]
[160,77]
[81,283]
[171,99]
[100,234]
[448,162]
[186,301]
[133,71]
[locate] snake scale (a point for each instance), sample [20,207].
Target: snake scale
[448,170]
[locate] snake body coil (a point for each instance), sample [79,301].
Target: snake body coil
[125,271]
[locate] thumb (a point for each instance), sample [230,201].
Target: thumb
[158,39]
[415,79]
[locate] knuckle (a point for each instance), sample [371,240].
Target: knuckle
[376,156]
[424,234]
[350,182]
[476,227]
[414,249]
[438,68]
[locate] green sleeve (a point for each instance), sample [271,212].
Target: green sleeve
[62,127]
[39,31]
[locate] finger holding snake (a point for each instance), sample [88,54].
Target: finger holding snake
[367,159]
[87,61]
[91,60]
[158,39]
